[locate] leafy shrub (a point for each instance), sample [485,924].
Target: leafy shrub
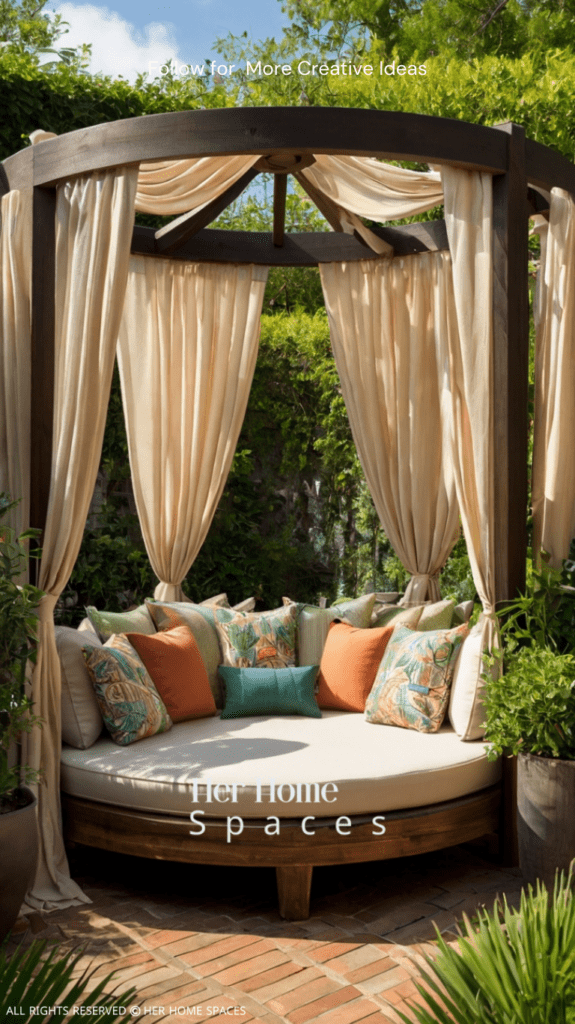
[515,967]
[531,708]
[28,980]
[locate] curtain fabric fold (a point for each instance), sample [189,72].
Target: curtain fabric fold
[94,229]
[187,351]
[385,317]
[169,187]
[372,189]
[553,483]
[466,356]
[15,292]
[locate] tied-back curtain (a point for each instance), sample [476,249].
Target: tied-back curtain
[553,485]
[187,351]
[467,355]
[384,320]
[94,217]
[15,281]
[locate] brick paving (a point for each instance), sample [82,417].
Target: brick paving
[208,943]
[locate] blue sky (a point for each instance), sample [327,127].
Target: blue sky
[126,35]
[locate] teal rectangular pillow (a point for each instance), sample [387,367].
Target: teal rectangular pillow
[269,691]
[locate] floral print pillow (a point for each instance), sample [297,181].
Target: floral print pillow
[412,684]
[258,640]
[128,700]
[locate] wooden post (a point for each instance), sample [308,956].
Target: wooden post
[42,389]
[510,367]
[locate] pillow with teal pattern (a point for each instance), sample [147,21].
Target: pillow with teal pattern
[257,639]
[412,684]
[106,624]
[128,700]
[269,691]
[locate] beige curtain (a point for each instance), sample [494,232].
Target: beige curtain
[553,484]
[94,231]
[15,287]
[187,351]
[468,356]
[385,317]
[170,187]
[372,189]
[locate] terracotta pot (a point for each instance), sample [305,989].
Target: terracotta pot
[545,816]
[18,857]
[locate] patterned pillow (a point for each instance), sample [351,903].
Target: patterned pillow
[130,703]
[106,624]
[411,687]
[258,640]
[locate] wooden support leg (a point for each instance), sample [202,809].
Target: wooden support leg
[294,887]
[509,849]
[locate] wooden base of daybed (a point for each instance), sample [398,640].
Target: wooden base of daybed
[293,854]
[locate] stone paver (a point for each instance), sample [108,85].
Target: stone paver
[200,942]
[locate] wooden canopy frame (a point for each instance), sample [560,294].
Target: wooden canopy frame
[286,140]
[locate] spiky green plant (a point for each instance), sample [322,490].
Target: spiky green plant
[514,967]
[29,982]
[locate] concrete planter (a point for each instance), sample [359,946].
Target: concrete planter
[545,816]
[18,857]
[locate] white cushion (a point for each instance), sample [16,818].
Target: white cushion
[466,712]
[376,768]
[81,719]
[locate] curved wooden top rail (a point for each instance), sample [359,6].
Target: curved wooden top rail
[195,133]
[393,135]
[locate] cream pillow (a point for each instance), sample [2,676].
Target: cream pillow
[81,719]
[465,704]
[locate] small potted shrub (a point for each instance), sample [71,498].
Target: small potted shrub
[18,642]
[530,712]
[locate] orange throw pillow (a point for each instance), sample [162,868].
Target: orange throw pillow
[175,664]
[349,664]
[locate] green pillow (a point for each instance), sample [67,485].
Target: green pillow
[269,691]
[106,624]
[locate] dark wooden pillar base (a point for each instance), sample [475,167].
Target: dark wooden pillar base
[294,888]
[509,850]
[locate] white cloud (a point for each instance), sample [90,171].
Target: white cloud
[118,48]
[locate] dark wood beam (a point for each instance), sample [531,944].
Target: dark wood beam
[548,169]
[510,312]
[4,183]
[43,324]
[277,130]
[326,207]
[307,249]
[178,231]
[280,193]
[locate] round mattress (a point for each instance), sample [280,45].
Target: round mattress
[285,766]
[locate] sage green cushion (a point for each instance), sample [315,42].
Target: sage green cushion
[269,691]
[106,624]
[438,615]
[313,624]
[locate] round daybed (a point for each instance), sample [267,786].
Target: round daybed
[439,790]
[433,790]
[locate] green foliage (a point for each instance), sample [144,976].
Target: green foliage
[545,615]
[531,708]
[28,979]
[18,645]
[514,967]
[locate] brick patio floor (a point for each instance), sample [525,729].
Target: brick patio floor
[196,941]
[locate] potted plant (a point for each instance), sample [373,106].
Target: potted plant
[530,712]
[18,643]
